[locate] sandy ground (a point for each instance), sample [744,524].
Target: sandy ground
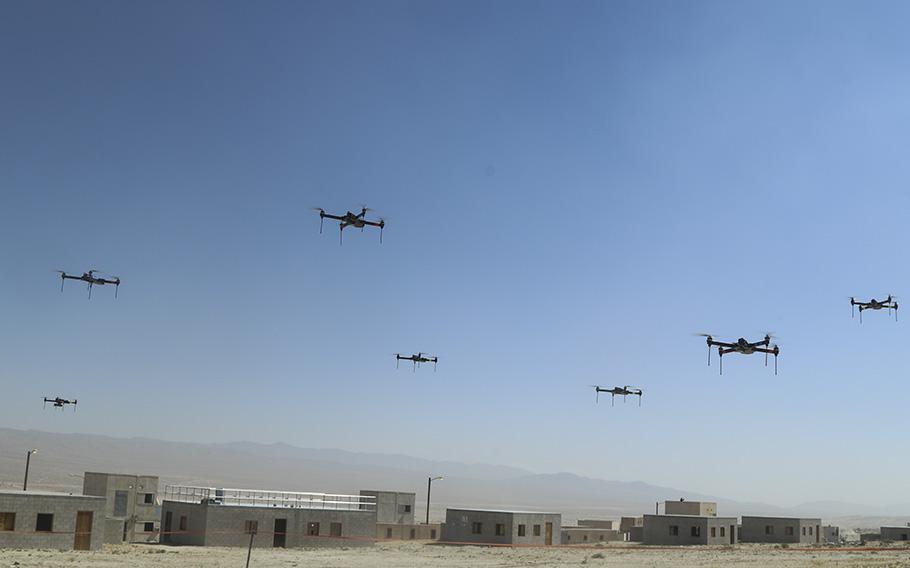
[413,555]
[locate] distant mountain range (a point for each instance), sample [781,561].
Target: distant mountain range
[62,458]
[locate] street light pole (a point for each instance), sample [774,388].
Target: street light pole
[28,459]
[430,481]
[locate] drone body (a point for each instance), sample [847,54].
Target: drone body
[621,391]
[92,280]
[60,402]
[417,359]
[743,347]
[889,303]
[349,219]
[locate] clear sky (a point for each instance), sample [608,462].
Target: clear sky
[572,189]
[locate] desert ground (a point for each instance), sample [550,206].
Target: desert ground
[413,555]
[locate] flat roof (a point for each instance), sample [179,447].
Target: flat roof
[783,518]
[895,527]
[502,511]
[691,516]
[14,493]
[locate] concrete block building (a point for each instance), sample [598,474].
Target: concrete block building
[132,512]
[208,516]
[688,530]
[43,519]
[631,528]
[781,530]
[588,535]
[696,508]
[502,527]
[395,517]
[831,534]
[896,533]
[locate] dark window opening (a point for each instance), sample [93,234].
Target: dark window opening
[433,533]
[388,533]
[44,522]
[536,530]
[413,534]
[522,530]
[476,528]
[312,529]
[251,527]
[788,531]
[713,532]
[674,530]
[500,529]
[695,531]
[149,499]
[182,524]
[334,529]
[722,531]
[7,521]
[148,527]
[769,529]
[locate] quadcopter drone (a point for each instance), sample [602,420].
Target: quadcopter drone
[742,347]
[91,279]
[60,402]
[349,219]
[623,391]
[417,360]
[874,304]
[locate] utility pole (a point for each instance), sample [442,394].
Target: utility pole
[28,460]
[430,481]
[253,529]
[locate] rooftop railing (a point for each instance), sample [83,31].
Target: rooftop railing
[266,498]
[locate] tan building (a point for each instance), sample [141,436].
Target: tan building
[395,517]
[695,508]
[132,511]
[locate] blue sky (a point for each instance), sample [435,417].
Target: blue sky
[571,191]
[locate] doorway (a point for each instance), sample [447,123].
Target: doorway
[281,532]
[168,521]
[548,539]
[732,534]
[83,539]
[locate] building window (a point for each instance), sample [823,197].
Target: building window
[413,534]
[335,529]
[536,530]
[44,522]
[722,531]
[695,531]
[7,521]
[433,534]
[148,527]
[769,529]
[804,531]
[404,508]
[388,533]
[121,499]
[810,531]
[476,528]
[522,530]
[312,529]
[788,531]
[713,531]
[149,499]
[584,538]
[601,537]
[500,529]
[674,530]
[251,527]
[182,525]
